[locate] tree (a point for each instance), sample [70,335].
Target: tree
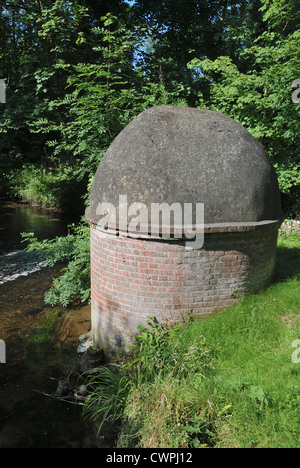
[104,96]
[36,37]
[260,96]
[177,31]
[73,87]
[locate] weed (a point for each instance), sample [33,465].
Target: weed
[108,391]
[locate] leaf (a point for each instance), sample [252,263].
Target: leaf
[191,429]
[256,393]
[108,22]
[224,410]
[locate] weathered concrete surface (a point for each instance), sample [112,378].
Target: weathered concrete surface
[177,154]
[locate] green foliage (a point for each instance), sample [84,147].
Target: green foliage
[74,281]
[260,98]
[76,74]
[251,380]
[106,96]
[177,30]
[34,39]
[108,392]
[69,96]
[41,186]
[157,351]
[151,345]
[197,430]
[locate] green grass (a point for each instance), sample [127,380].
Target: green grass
[225,381]
[37,186]
[49,188]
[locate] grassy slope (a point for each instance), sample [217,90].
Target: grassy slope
[226,381]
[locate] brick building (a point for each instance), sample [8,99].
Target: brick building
[178,156]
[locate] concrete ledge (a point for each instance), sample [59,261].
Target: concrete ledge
[156,232]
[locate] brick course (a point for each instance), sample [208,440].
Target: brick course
[136,278]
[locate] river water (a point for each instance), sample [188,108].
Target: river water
[29,417]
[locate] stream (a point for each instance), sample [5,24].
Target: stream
[29,417]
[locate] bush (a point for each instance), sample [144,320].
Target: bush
[58,189]
[74,282]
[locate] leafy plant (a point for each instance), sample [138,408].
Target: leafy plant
[107,396]
[200,435]
[259,96]
[74,280]
[43,186]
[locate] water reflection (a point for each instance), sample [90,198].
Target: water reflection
[17,217]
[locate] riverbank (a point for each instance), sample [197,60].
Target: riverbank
[41,341]
[47,188]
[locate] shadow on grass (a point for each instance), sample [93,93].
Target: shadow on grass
[287,263]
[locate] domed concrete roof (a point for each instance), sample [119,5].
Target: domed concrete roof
[177,154]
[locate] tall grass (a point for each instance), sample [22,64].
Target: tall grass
[107,403]
[225,381]
[37,186]
[48,187]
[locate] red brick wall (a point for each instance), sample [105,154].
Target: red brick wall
[133,279]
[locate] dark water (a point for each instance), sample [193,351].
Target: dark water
[29,418]
[21,217]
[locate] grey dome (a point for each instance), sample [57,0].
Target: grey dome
[178,154]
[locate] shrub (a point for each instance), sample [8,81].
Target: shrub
[74,248]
